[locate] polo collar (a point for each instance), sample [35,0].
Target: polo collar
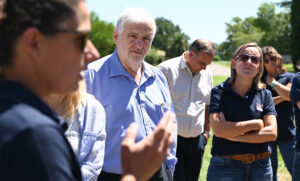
[284,74]
[226,86]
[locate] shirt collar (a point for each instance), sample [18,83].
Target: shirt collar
[183,64]
[284,74]
[117,68]
[226,86]
[20,94]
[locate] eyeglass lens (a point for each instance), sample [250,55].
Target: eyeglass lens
[273,59]
[246,57]
[84,38]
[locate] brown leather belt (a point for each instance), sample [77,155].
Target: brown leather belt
[248,158]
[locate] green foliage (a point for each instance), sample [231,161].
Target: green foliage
[155,56]
[217,58]
[169,38]
[268,28]
[102,35]
[295,34]
[276,27]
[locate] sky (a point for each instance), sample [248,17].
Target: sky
[196,18]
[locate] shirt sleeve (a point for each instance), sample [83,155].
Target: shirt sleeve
[93,139]
[210,84]
[295,90]
[269,107]
[166,73]
[215,101]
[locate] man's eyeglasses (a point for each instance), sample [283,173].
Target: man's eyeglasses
[245,57]
[84,36]
[272,59]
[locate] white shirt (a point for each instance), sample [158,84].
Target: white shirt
[190,94]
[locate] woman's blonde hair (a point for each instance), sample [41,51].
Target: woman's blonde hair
[67,105]
[256,79]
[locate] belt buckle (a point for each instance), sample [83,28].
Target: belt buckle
[247,155]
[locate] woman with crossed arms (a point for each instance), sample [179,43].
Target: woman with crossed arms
[242,117]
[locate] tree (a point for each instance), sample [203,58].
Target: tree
[239,32]
[295,35]
[268,28]
[169,38]
[276,27]
[102,35]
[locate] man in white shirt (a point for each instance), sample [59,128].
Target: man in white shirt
[190,83]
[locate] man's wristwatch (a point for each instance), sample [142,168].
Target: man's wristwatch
[207,132]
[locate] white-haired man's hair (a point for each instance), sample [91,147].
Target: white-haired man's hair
[135,15]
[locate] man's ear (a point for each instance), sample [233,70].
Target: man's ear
[31,40]
[191,54]
[116,36]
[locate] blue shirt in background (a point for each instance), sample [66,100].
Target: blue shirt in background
[295,97]
[125,102]
[255,105]
[285,112]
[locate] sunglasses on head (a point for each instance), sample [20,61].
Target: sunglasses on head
[272,59]
[245,57]
[84,36]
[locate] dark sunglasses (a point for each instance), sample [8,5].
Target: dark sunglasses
[84,36]
[273,59]
[245,57]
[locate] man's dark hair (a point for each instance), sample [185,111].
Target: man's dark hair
[202,46]
[18,15]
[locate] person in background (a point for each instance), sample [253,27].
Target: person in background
[130,90]
[295,100]
[190,83]
[86,128]
[243,118]
[279,82]
[43,49]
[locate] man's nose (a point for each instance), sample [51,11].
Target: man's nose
[139,43]
[90,52]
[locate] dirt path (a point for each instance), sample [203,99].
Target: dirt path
[218,70]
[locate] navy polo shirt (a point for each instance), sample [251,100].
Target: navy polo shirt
[285,112]
[32,142]
[256,104]
[295,97]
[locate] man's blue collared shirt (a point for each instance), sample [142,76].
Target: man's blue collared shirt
[125,102]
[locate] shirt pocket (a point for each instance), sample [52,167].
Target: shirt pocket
[87,142]
[156,111]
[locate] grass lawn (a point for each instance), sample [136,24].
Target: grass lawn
[283,174]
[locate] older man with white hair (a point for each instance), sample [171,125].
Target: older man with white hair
[130,90]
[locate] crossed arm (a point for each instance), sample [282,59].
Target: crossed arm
[250,131]
[282,90]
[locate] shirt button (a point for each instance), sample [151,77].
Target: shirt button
[246,97]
